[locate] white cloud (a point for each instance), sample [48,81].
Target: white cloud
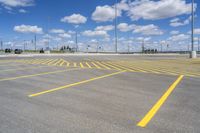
[143,38]
[105,28]
[22,11]
[174,32]
[104,13]
[196,31]
[124,27]
[153,10]
[57,31]
[28,29]
[91,33]
[123,5]
[179,37]
[150,29]
[177,22]
[17,3]
[65,35]
[74,19]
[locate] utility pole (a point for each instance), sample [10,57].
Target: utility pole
[1,45]
[116,38]
[76,40]
[198,44]
[24,45]
[35,42]
[193,52]
[143,46]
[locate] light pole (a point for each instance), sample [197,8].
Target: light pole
[198,44]
[193,52]
[35,42]
[1,45]
[76,40]
[116,39]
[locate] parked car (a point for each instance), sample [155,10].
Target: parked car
[18,51]
[8,50]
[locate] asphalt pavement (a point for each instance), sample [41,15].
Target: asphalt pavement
[63,94]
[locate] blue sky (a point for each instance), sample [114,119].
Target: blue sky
[154,22]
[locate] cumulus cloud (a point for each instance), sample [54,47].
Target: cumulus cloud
[178,22]
[94,33]
[28,29]
[22,11]
[150,29]
[154,10]
[17,3]
[105,28]
[124,27]
[143,38]
[104,13]
[196,31]
[74,19]
[174,32]
[179,37]
[57,31]
[65,35]
[107,13]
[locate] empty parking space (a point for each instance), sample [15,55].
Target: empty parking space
[50,95]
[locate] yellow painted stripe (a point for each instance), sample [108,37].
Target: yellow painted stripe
[81,64]
[51,62]
[116,68]
[98,67]
[75,64]
[57,62]
[24,68]
[120,66]
[159,103]
[38,74]
[47,61]
[75,84]
[103,65]
[88,65]
[61,64]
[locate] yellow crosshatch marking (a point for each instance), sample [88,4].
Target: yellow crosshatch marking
[165,67]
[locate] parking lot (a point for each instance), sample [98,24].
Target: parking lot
[101,94]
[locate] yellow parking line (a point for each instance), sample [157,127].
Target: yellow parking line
[75,64]
[16,69]
[38,74]
[61,64]
[47,61]
[116,68]
[96,65]
[159,103]
[122,67]
[81,64]
[75,84]
[68,64]
[52,62]
[57,62]
[103,65]
[88,65]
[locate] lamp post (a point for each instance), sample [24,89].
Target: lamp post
[198,44]
[1,45]
[193,52]
[116,38]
